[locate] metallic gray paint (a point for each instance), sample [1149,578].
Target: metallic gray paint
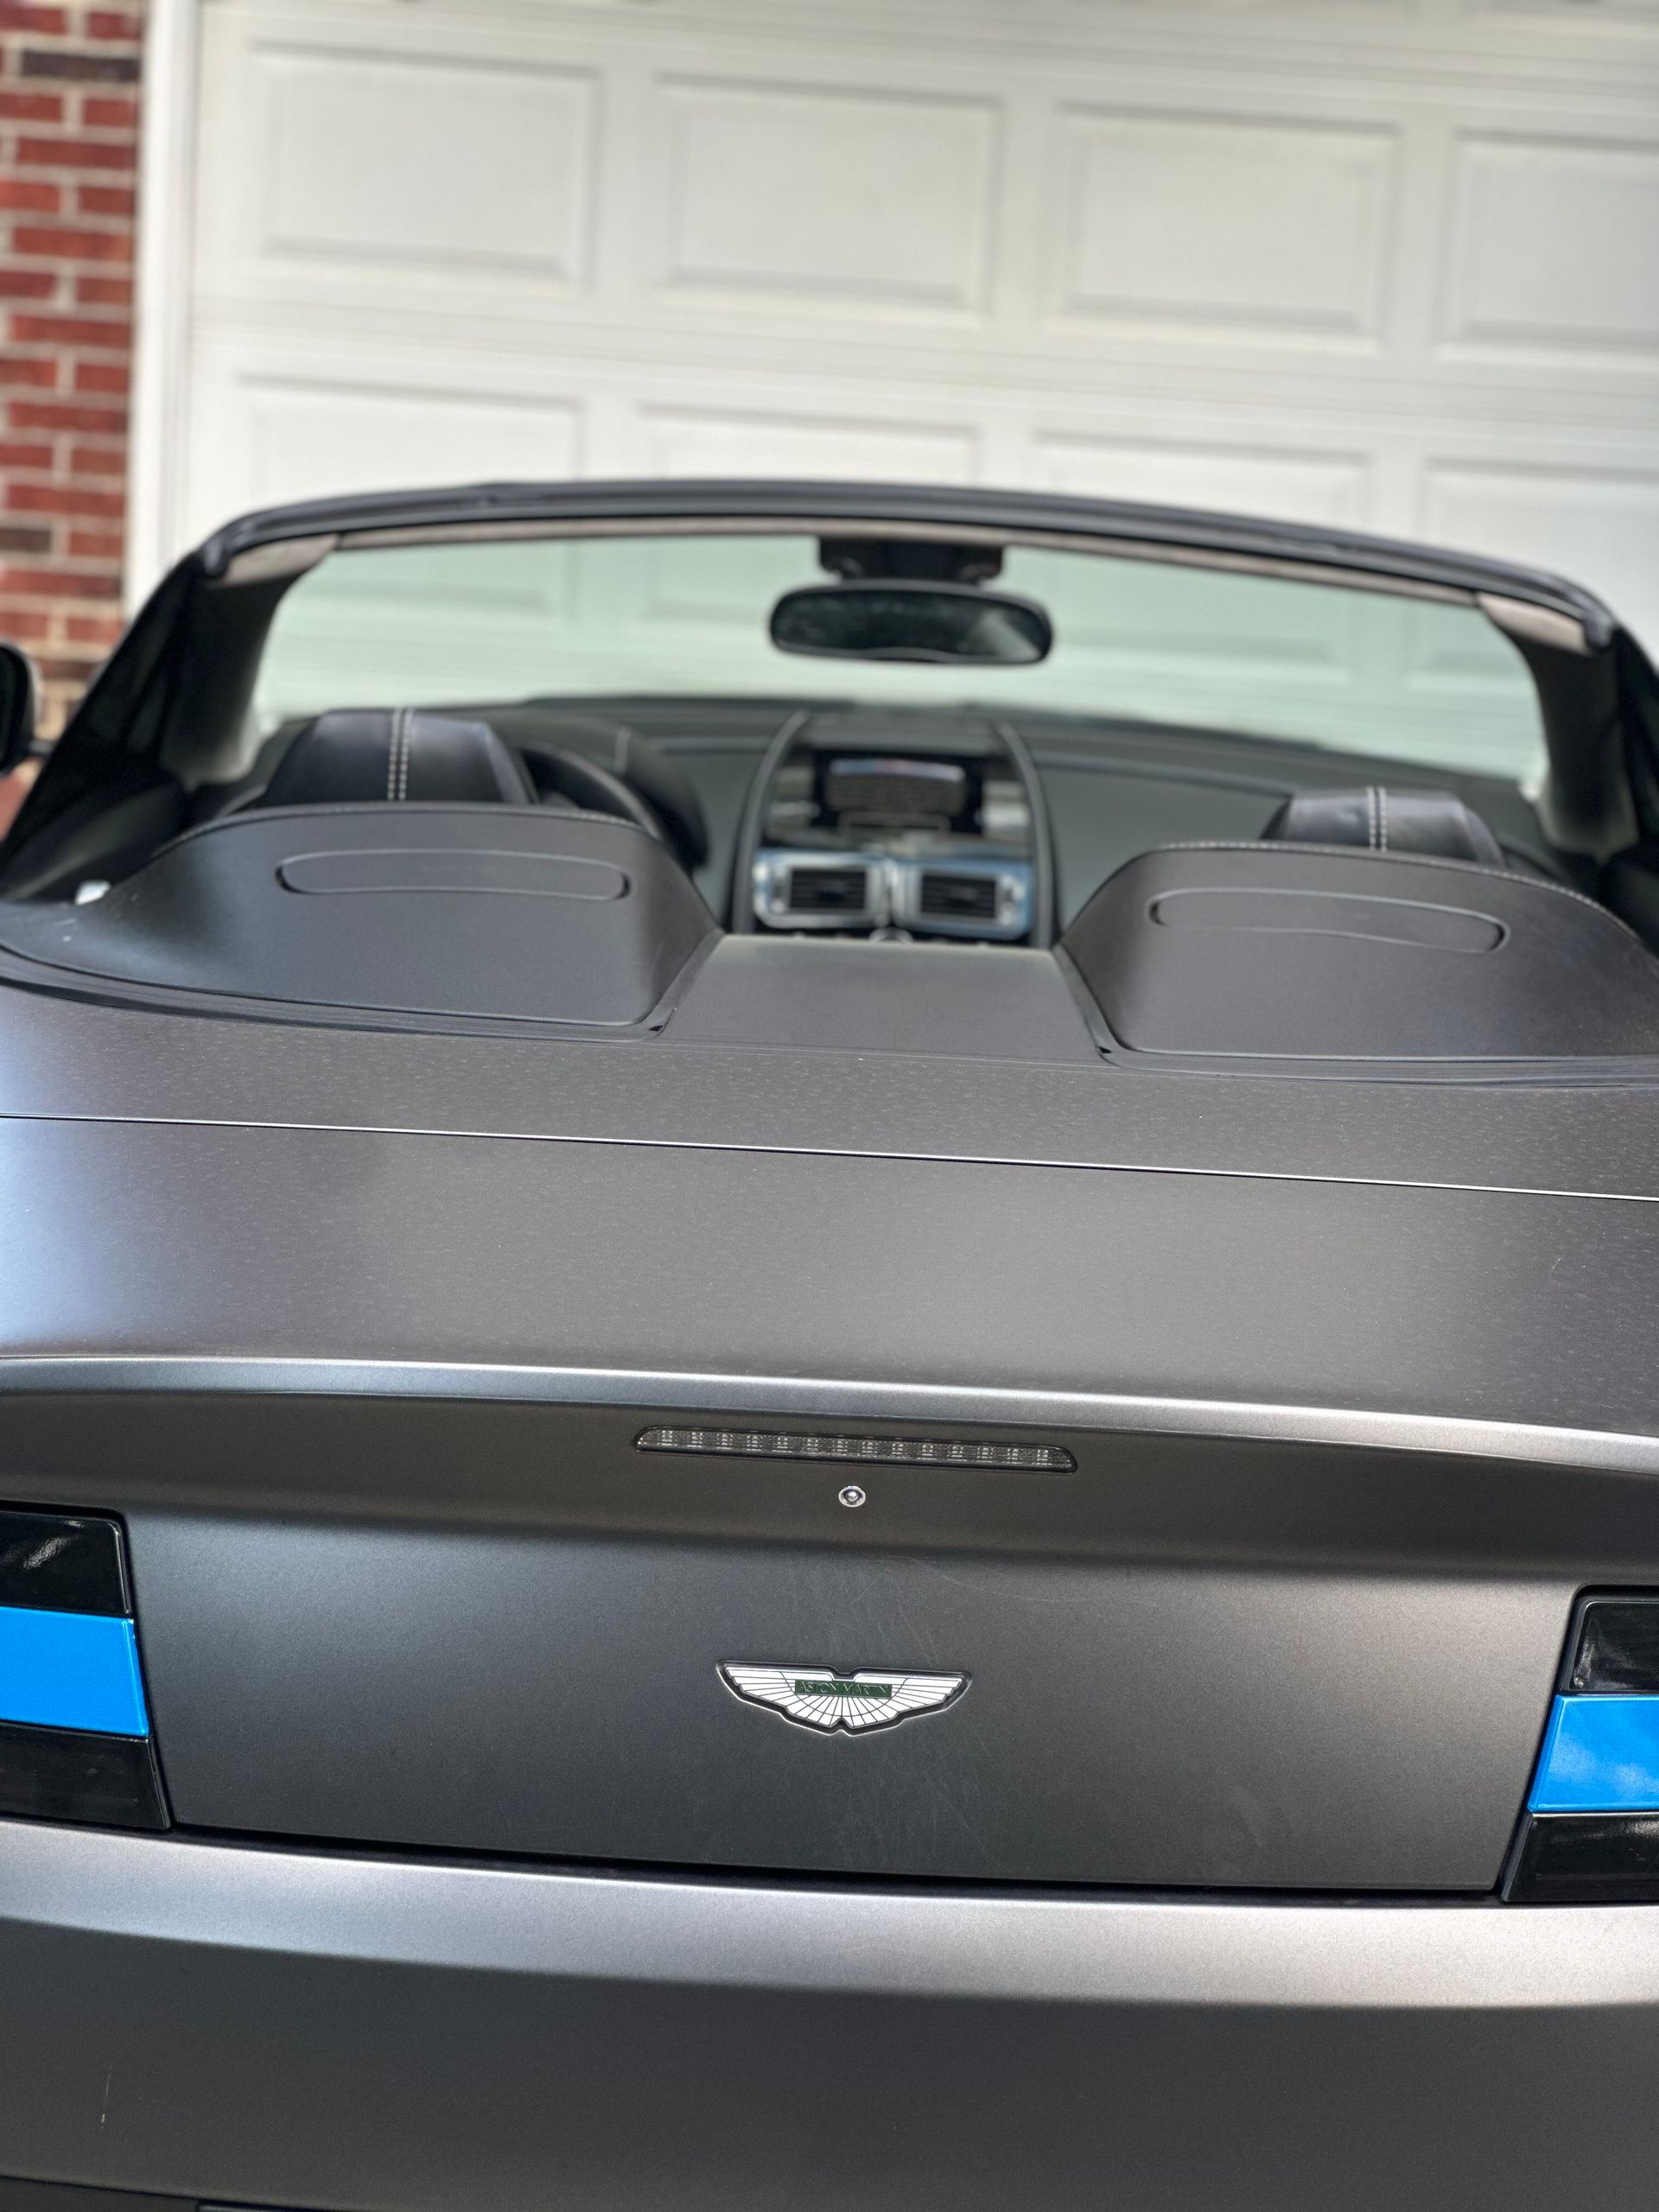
[889,1090]
[1427,1319]
[828,1939]
[291,2028]
[215,1243]
[1130,1722]
[522,1465]
[807,1397]
[58,2196]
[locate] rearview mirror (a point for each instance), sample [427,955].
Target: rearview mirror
[17,698]
[893,618]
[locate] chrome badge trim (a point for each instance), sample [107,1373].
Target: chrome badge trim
[819,1697]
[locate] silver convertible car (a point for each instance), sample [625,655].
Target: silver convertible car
[829,1370]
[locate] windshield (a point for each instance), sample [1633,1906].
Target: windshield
[686,616]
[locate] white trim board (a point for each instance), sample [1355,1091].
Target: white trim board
[162,304]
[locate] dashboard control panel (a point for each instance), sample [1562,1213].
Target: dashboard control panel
[934,840]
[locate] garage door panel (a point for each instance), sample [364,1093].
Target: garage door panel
[267,429]
[1384,263]
[678,441]
[1569,15]
[309,438]
[417,159]
[321,168]
[1556,247]
[1319,487]
[855,196]
[1261,226]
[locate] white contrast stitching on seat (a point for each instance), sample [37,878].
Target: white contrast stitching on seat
[397,758]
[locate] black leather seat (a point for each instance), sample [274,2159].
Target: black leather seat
[380,753]
[358,754]
[1385,820]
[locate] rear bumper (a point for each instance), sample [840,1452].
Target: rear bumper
[280,2027]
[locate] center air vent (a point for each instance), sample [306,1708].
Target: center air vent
[977,897]
[801,891]
[967,898]
[828,890]
[959,897]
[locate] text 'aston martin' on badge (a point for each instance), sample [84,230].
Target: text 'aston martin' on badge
[817,1697]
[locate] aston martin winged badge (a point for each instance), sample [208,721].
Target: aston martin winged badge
[817,1697]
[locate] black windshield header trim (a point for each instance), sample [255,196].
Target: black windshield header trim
[1109,521]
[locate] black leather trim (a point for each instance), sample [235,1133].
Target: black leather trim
[440,925]
[1384,819]
[1292,952]
[360,755]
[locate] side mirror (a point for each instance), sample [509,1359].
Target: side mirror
[18,694]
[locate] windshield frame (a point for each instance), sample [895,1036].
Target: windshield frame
[186,666]
[1358,684]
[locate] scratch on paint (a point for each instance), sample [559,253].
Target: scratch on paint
[108,2078]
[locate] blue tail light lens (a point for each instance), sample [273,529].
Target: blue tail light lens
[1601,1755]
[71,1670]
[1590,1833]
[75,1740]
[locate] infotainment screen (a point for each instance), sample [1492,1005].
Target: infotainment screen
[877,788]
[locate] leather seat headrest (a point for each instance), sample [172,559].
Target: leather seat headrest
[366,753]
[1386,820]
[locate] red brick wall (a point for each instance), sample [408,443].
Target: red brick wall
[69,82]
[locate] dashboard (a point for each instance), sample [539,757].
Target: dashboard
[904,838]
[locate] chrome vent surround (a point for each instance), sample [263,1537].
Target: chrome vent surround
[964,896]
[840,1449]
[950,897]
[961,895]
[829,891]
[820,891]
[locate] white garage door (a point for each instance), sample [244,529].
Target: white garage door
[1393,263]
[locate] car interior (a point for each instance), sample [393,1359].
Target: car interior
[1154,808]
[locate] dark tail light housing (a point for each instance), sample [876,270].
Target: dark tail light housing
[75,1740]
[1589,1833]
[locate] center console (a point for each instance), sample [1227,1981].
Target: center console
[881,824]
